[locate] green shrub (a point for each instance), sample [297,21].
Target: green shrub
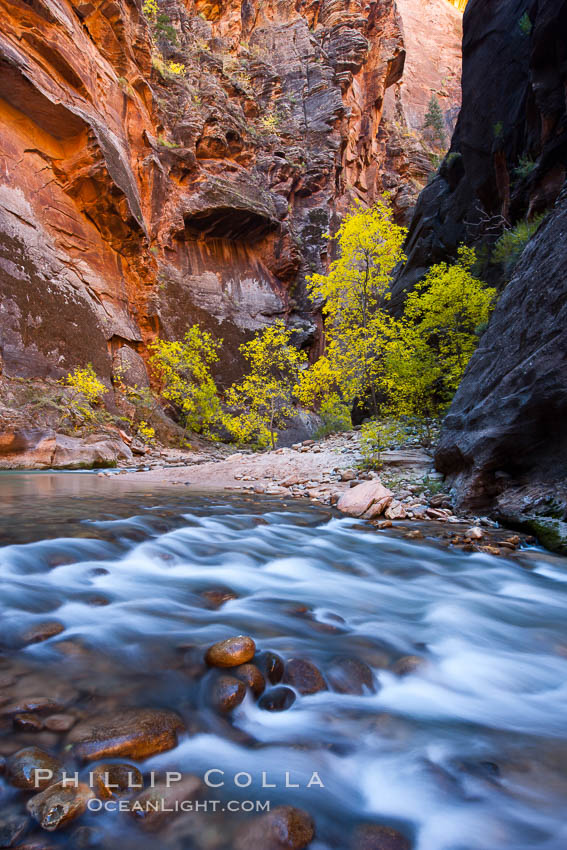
[525,24]
[377,436]
[525,167]
[336,418]
[509,247]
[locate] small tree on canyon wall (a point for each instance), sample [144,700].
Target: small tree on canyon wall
[355,293]
[263,399]
[86,392]
[435,122]
[184,369]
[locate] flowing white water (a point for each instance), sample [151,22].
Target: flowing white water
[466,753]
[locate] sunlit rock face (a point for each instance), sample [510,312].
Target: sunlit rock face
[135,200]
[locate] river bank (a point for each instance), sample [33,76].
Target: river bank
[327,472]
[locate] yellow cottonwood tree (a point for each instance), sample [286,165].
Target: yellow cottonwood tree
[264,397]
[429,348]
[355,293]
[184,368]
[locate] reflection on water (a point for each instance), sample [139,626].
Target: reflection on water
[466,753]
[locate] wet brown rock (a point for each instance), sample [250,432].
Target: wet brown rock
[13,826]
[217,596]
[59,722]
[59,804]
[227,693]
[408,664]
[350,676]
[490,550]
[277,699]
[23,769]
[43,631]
[28,722]
[38,693]
[150,807]
[304,676]
[376,837]
[86,838]
[252,677]
[112,779]
[231,652]
[135,733]
[285,828]
[36,843]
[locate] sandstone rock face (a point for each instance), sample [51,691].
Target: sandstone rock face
[134,201]
[432,34]
[36,448]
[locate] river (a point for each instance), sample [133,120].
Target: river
[467,752]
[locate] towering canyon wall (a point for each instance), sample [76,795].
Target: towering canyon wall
[504,442]
[136,199]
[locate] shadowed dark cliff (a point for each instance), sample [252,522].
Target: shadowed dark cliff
[504,442]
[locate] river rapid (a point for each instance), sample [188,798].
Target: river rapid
[467,752]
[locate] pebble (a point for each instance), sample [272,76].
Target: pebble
[28,722]
[304,676]
[59,722]
[231,652]
[278,699]
[475,533]
[350,676]
[132,733]
[227,693]
[395,510]
[217,596]
[376,837]
[13,825]
[59,804]
[43,631]
[154,806]
[109,779]
[21,769]
[284,828]
[252,677]
[270,665]
[408,664]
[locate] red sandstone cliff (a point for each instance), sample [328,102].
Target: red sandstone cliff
[134,201]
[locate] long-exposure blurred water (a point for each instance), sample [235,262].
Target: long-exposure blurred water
[468,752]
